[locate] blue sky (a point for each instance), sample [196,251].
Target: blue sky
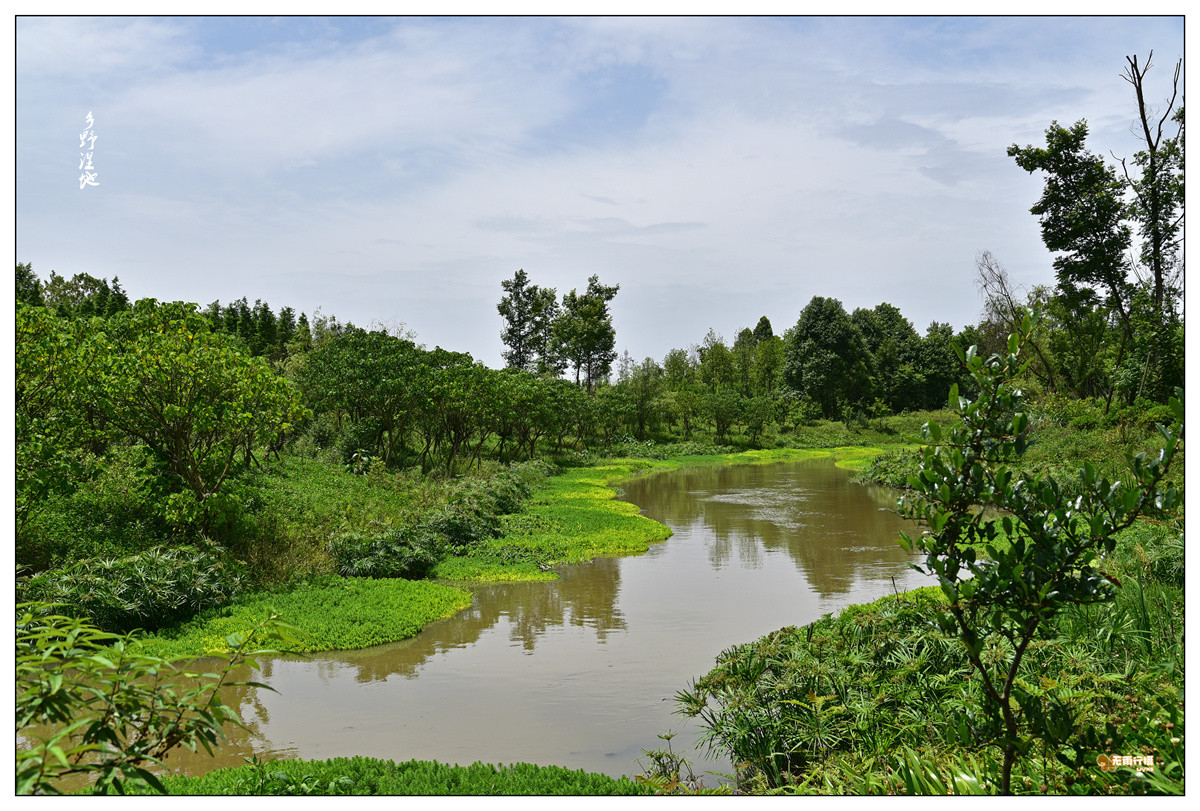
[395,170]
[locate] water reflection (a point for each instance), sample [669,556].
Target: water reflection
[580,672]
[833,531]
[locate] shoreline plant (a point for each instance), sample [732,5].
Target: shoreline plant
[95,705]
[1003,596]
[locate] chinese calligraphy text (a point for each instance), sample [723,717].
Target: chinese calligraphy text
[87,139]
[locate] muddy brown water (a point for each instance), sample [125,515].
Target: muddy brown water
[580,672]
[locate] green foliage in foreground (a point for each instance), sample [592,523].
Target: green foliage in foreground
[333,613]
[878,700]
[1002,598]
[371,776]
[92,704]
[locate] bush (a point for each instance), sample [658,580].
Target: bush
[632,449]
[461,525]
[404,552]
[149,590]
[891,468]
[501,494]
[112,514]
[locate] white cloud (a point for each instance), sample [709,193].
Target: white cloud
[404,173]
[79,47]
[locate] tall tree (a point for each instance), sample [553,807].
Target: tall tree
[84,295]
[828,360]
[529,312]
[1157,210]
[1157,204]
[895,347]
[762,330]
[1082,216]
[1087,219]
[378,381]
[585,333]
[29,286]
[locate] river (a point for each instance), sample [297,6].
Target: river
[580,672]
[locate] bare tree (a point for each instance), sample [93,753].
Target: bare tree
[1158,190]
[1003,307]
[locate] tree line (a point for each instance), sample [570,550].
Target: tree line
[206,389]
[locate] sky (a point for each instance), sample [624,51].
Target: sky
[393,171]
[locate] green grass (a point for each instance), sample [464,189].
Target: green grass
[335,613]
[372,776]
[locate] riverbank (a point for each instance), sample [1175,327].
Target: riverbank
[876,699]
[658,582]
[570,518]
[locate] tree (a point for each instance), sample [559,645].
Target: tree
[743,359]
[1157,209]
[201,405]
[768,366]
[677,368]
[84,295]
[585,333]
[724,408]
[643,385]
[529,312]
[29,286]
[717,366]
[55,430]
[1086,219]
[1002,596]
[937,366]
[762,330]
[1157,205]
[895,348]
[1081,216]
[828,360]
[378,381]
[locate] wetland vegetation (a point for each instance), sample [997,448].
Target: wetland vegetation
[188,475]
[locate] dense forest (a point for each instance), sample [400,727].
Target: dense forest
[151,438]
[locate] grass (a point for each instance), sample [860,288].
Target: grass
[335,613]
[372,776]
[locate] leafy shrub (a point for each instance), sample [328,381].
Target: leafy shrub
[799,695]
[149,590]
[1067,411]
[1055,551]
[356,437]
[838,706]
[891,468]
[462,524]
[502,494]
[113,513]
[632,449]
[95,704]
[404,552]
